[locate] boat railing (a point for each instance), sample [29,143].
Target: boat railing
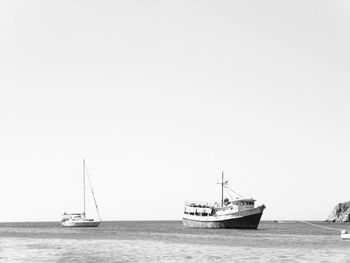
[202,204]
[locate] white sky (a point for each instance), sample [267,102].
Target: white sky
[160,96]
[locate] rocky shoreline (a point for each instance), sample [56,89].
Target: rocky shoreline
[340,213]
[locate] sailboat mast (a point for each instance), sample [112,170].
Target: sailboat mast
[84,184]
[222,188]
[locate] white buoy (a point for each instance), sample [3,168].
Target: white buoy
[345,235]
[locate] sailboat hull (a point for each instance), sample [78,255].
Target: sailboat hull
[80,223]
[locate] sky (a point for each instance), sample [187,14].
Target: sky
[159,97]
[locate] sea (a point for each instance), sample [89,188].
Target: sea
[170,241]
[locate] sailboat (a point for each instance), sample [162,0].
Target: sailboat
[80,219]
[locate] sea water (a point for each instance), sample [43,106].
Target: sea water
[170,241]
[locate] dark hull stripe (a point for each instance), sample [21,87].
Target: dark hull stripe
[246,222]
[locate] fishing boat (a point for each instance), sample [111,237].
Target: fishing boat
[80,219]
[345,235]
[239,213]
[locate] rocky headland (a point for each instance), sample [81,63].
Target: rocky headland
[340,213]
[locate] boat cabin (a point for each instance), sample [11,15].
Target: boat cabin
[227,208]
[243,204]
[235,206]
[198,209]
[73,216]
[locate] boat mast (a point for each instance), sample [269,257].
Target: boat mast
[84,184]
[223,183]
[222,188]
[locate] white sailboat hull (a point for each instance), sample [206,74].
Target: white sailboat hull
[80,223]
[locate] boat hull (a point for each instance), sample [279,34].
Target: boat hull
[80,224]
[241,220]
[345,236]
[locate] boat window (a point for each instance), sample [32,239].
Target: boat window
[204,214]
[191,213]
